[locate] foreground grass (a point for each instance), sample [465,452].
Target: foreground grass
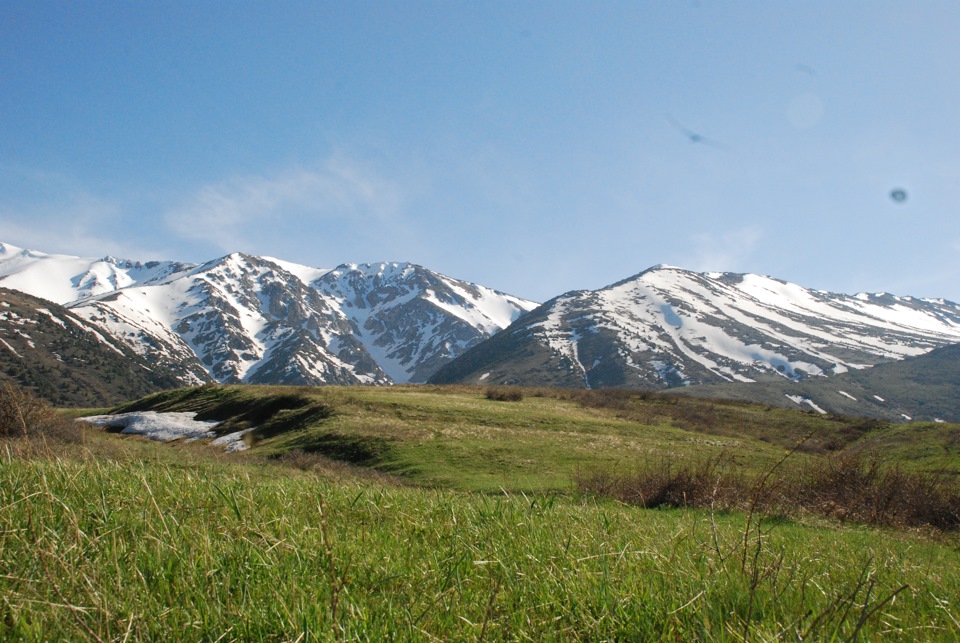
[131,548]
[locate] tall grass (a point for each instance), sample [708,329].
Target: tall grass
[137,550]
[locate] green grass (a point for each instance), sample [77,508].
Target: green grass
[926,446]
[454,437]
[433,513]
[129,549]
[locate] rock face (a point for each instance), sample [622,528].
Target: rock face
[413,320]
[251,319]
[670,327]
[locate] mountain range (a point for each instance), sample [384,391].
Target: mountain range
[249,319]
[668,327]
[921,388]
[242,318]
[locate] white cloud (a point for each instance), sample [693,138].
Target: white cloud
[727,251]
[232,214]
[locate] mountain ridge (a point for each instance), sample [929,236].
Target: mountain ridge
[667,327]
[921,388]
[243,318]
[57,355]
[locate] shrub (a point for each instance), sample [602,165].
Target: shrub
[703,483]
[847,487]
[504,394]
[24,416]
[858,488]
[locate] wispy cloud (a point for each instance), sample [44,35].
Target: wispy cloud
[726,251]
[63,218]
[233,213]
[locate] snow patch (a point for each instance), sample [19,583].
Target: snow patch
[306,274]
[233,441]
[54,319]
[163,427]
[4,342]
[845,394]
[814,406]
[877,397]
[800,400]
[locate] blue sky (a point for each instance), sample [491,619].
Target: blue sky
[534,147]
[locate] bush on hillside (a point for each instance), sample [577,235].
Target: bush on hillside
[504,394]
[24,416]
[847,487]
[704,483]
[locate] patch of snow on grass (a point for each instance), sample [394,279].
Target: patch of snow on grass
[814,406]
[877,397]
[163,427]
[845,394]
[799,400]
[233,441]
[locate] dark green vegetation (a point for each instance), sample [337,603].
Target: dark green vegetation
[923,387]
[458,520]
[51,352]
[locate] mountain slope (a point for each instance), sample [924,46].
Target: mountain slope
[242,318]
[670,327]
[64,279]
[922,388]
[246,320]
[61,357]
[414,320]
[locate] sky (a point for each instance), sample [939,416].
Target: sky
[533,147]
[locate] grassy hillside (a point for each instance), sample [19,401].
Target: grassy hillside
[137,541]
[455,437]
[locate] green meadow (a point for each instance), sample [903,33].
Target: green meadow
[434,513]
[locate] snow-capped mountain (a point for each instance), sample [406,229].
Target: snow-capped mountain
[252,319]
[413,320]
[245,319]
[671,327]
[64,278]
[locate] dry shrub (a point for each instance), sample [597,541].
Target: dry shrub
[24,416]
[848,487]
[316,463]
[861,489]
[502,394]
[705,483]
